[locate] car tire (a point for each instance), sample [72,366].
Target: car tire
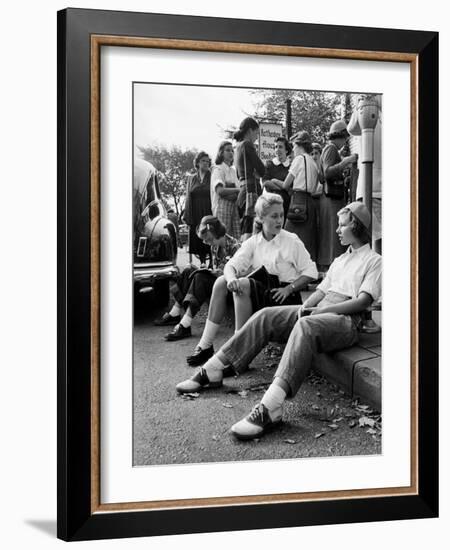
[161,294]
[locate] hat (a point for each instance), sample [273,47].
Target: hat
[338,129]
[301,137]
[360,211]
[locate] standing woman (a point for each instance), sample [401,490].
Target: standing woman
[332,199]
[249,167]
[304,177]
[276,171]
[225,190]
[198,204]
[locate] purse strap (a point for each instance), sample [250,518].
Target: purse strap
[306,173]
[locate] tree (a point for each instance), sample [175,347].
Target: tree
[173,164]
[311,111]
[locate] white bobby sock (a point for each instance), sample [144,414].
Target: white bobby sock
[176,310]
[209,333]
[186,321]
[214,368]
[274,397]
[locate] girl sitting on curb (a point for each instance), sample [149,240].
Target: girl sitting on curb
[328,321]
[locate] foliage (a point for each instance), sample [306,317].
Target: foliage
[173,164]
[311,111]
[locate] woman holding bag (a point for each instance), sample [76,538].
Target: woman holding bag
[302,182]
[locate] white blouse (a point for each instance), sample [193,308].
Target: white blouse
[285,256]
[297,169]
[355,271]
[225,175]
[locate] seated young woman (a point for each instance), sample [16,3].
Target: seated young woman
[329,320]
[194,286]
[283,256]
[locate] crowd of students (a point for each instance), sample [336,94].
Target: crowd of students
[264,246]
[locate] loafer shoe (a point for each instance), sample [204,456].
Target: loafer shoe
[200,356]
[178,333]
[167,320]
[259,421]
[198,382]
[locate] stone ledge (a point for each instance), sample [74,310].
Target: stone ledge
[357,369]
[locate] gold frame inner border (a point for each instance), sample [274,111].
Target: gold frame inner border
[97,41]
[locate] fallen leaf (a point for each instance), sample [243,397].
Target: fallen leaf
[320,434]
[339,419]
[365,421]
[371,431]
[190,395]
[290,441]
[227,405]
[352,423]
[333,426]
[316,407]
[215,438]
[259,387]
[364,407]
[243,393]
[319,394]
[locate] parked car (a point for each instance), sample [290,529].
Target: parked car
[154,236]
[183,231]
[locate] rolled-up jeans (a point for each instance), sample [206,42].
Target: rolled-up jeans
[322,332]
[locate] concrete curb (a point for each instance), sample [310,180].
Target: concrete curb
[357,369]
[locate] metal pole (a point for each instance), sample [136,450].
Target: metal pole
[288,118]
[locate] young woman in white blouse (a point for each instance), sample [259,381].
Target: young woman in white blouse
[281,253]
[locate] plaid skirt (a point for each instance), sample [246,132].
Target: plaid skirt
[227,212]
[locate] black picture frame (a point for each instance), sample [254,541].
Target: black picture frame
[78,516]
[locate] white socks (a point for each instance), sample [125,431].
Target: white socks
[214,368]
[209,333]
[274,397]
[176,310]
[186,321]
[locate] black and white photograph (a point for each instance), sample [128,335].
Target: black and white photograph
[257,273]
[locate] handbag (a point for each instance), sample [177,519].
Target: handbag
[333,188]
[298,207]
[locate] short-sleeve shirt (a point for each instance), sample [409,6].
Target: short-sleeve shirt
[297,169]
[225,175]
[285,256]
[355,271]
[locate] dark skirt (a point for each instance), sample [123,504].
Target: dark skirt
[196,245]
[248,193]
[329,245]
[261,296]
[307,231]
[193,288]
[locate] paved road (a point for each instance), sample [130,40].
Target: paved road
[171,429]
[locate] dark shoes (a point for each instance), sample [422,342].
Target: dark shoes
[199,356]
[178,333]
[167,320]
[257,423]
[199,381]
